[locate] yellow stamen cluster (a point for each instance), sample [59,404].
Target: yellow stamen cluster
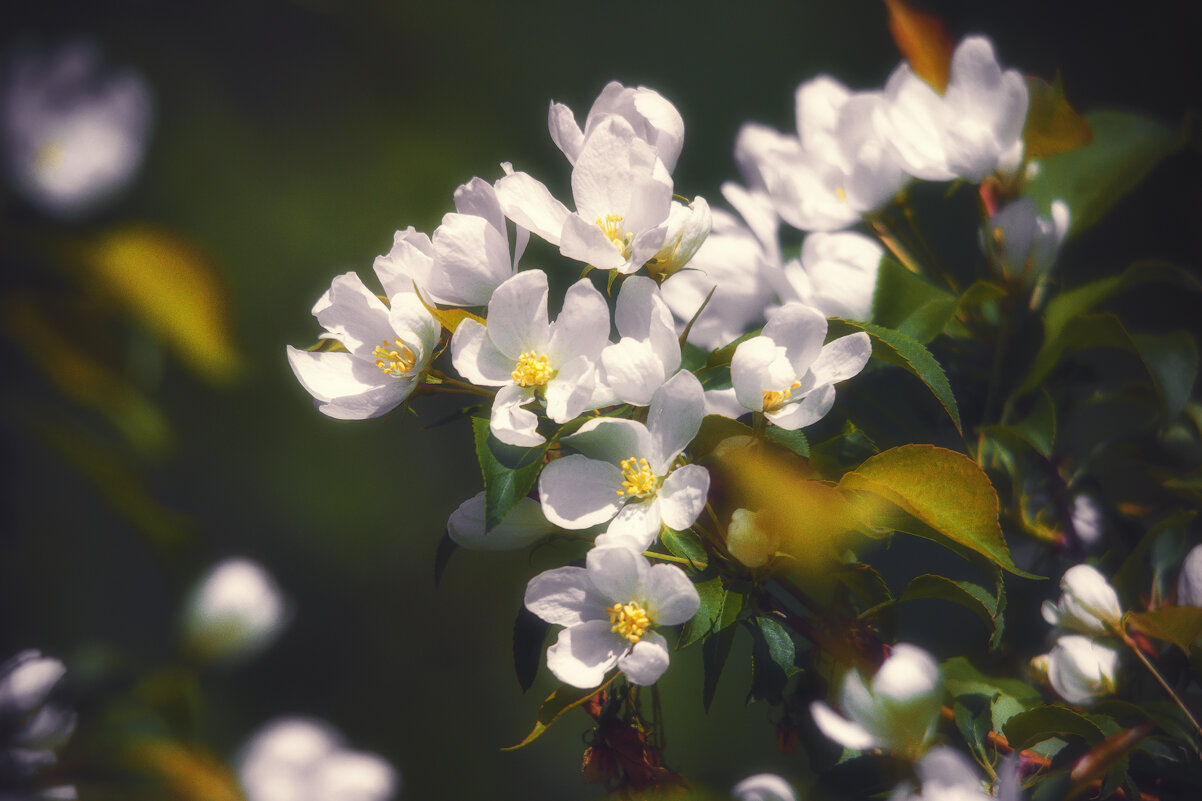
[395,359]
[532,370]
[50,154]
[774,400]
[637,479]
[630,620]
[611,224]
[841,193]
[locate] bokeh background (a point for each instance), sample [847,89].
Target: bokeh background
[291,139]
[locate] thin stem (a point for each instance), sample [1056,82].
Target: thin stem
[677,559]
[442,379]
[891,241]
[1159,678]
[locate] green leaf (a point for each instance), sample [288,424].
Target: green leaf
[901,294]
[685,545]
[1092,179]
[1172,361]
[503,486]
[1043,722]
[714,430]
[714,652]
[961,678]
[1052,126]
[904,351]
[944,490]
[972,597]
[793,440]
[529,634]
[713,596]
[559,702]
[767,677]
[1180,625]
[780,644]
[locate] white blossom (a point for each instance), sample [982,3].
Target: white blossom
[1022,243]
[836,274]
[652,117]
[32,727]
[235,611]
[1189,583]
[531,359]
[688,228]
[648,352]
[626,473]
[299,759]
[747,541]
[1087,603]
[611,609]
[1079,668]
[944,774]
[388,351]
[896,711]
[73,134]
[763,787]
[969,131]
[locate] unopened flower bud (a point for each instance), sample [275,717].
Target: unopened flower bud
[688,228]
[1080,669]
[1189,583]
[746,541]
[236,611]
[1088,603]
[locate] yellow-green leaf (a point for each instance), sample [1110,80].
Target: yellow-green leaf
[1053,126]
[558,703]
[1180,625]
[448,318]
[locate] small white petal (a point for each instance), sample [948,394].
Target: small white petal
[840,729]
[646,661]
[578,492]
[565,596]
[682,496]
[584,654]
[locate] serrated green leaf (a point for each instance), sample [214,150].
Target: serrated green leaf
[709,615]
[714,652]
[972,597]
[503,486]
[900,293]
[793,440]
[1172,361]
[562,700]
[1180,625]
[780,644]
[961,678]
[1035,725]
[685,545]
[904,351]
[529,634]
[1039,427]
[1002,708]
[767,677]
[1090,180]
[944,490]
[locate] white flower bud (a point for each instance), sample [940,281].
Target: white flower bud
[1079,669]
[1021,242]
[746,541]
[1189,583]
[944,774]
[763,787]
[236,611]
[1088,603]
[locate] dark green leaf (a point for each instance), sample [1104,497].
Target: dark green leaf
[714,430]
[767,677]
[713,595]
[503,486]
[446,547]
[685,545]
[559,702]
[961,678]
[1052,126]
[780,644]
[1035,725]
[714,652]
[972,597]
[1090,180]
[1180,625]
[1172,361]
[900,294]
[866,583]
[793,440]
[529,634]
[905,352]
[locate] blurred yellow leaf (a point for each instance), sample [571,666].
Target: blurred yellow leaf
[173,289]
[1053,126]
[448,318]
[923,42]
[51,340]
[188,774]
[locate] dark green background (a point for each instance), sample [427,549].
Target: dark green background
[291,140]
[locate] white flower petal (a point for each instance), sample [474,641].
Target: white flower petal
[584,654]
[646,661]
[524,525]
[800,330]
[353,315]
[633,370]
[471,260]
[582,327]
[618,573]
[809,410]
[578,492]
[477,359]
[612,440]
[565,133]
[529,203]
[674,418]
[511,423]
[669,596]
[683,496]
[410,260]
[637,522]
[583,240]
[569,393]
[840,729]
[565,596]
[517,314]
[477,197]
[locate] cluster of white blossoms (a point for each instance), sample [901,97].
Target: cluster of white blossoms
[608,387]
[1083,664]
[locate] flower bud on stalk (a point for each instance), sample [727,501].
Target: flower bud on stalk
[1079,669]
[1088,603]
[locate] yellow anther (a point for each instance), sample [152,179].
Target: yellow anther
[611,224]
[637,479]
[841,193]
[532,370]
[774,400]
[49,154]
[630,620]
[999,237]
[395,359]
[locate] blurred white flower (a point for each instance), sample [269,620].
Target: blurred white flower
[1088,603]
[524,525]
[387,351]
[1087,519]
[968,132]
[688,228]
[1021,242]
[1189,583]
[32,728]
[763,787]
[648,351]
[944,774]
[298,759]
[1079,669]
[896,711]
[234,612]
[609,609]
[73,135]
[836,274]
[746,541]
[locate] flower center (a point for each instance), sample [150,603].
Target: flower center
[611,224]
[532,370]
[630,620]
[841,194]
[637,479]
[775,400]
[395,359]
